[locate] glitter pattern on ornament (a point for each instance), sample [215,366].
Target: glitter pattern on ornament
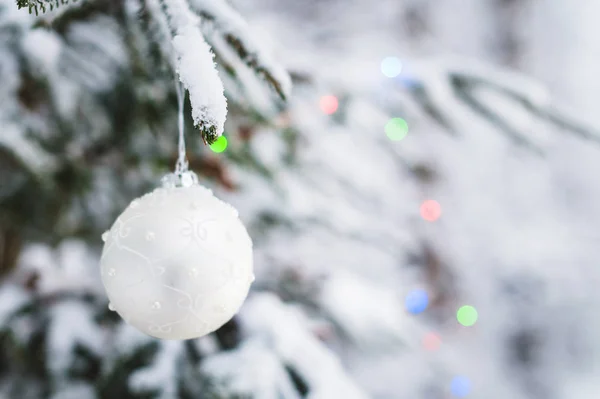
[177,263]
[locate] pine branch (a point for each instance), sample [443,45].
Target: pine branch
[42,5]
[443,86]
[195,67]
[237,34]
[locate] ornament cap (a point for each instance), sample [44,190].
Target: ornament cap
[180,179]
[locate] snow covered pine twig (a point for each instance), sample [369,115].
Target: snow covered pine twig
[237,35]
[197,70]
[192,56]
[440,88]
[43,5]
[195,64]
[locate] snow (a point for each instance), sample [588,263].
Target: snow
[43,48]
[230,22]
[254,92]
[70,268]
[12,297]
[72,323]
[253,370]
[75,391]
[508,215]
[518,234]
[95,52]
[370,315]
[36,159]
[163,373]
[286,333]
[196,67]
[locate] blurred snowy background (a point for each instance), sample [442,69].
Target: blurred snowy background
[359,275]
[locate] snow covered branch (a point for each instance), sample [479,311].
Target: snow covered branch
[284,331]
[43,5]
[196,69]
[237,34]
[443,86]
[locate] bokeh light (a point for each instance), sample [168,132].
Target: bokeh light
[220,145]
[431,342]
[467,315]
[431,210]
[416,301]
[396,129]
[391,67]
[329,104]
[460,386]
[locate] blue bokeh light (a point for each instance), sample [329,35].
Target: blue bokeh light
[391,67]
[416,301]
[460,386]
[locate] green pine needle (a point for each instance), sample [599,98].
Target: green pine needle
[208,132]
[43,5]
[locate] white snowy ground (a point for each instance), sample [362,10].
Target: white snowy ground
[518,237]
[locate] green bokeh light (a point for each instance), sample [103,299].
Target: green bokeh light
[396,129]
[220,145]
[467,315]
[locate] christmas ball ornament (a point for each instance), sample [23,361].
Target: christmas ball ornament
[177,263]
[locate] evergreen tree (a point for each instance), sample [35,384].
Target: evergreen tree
[88,121]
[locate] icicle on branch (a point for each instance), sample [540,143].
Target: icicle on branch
[197,70]
[452,82]
[237,34]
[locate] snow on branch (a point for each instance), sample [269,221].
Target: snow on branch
[370,316]
[197,70]
[251,370]
[237,34]
[446,87]
[287,334]
[31,156]
[41,5]
[162,373]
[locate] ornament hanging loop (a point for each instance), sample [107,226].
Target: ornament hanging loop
[182,177]
[182,163]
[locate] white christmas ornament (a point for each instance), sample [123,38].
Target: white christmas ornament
[177,263]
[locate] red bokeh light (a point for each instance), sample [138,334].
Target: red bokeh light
[431,210]
[329,104]
[431,342]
